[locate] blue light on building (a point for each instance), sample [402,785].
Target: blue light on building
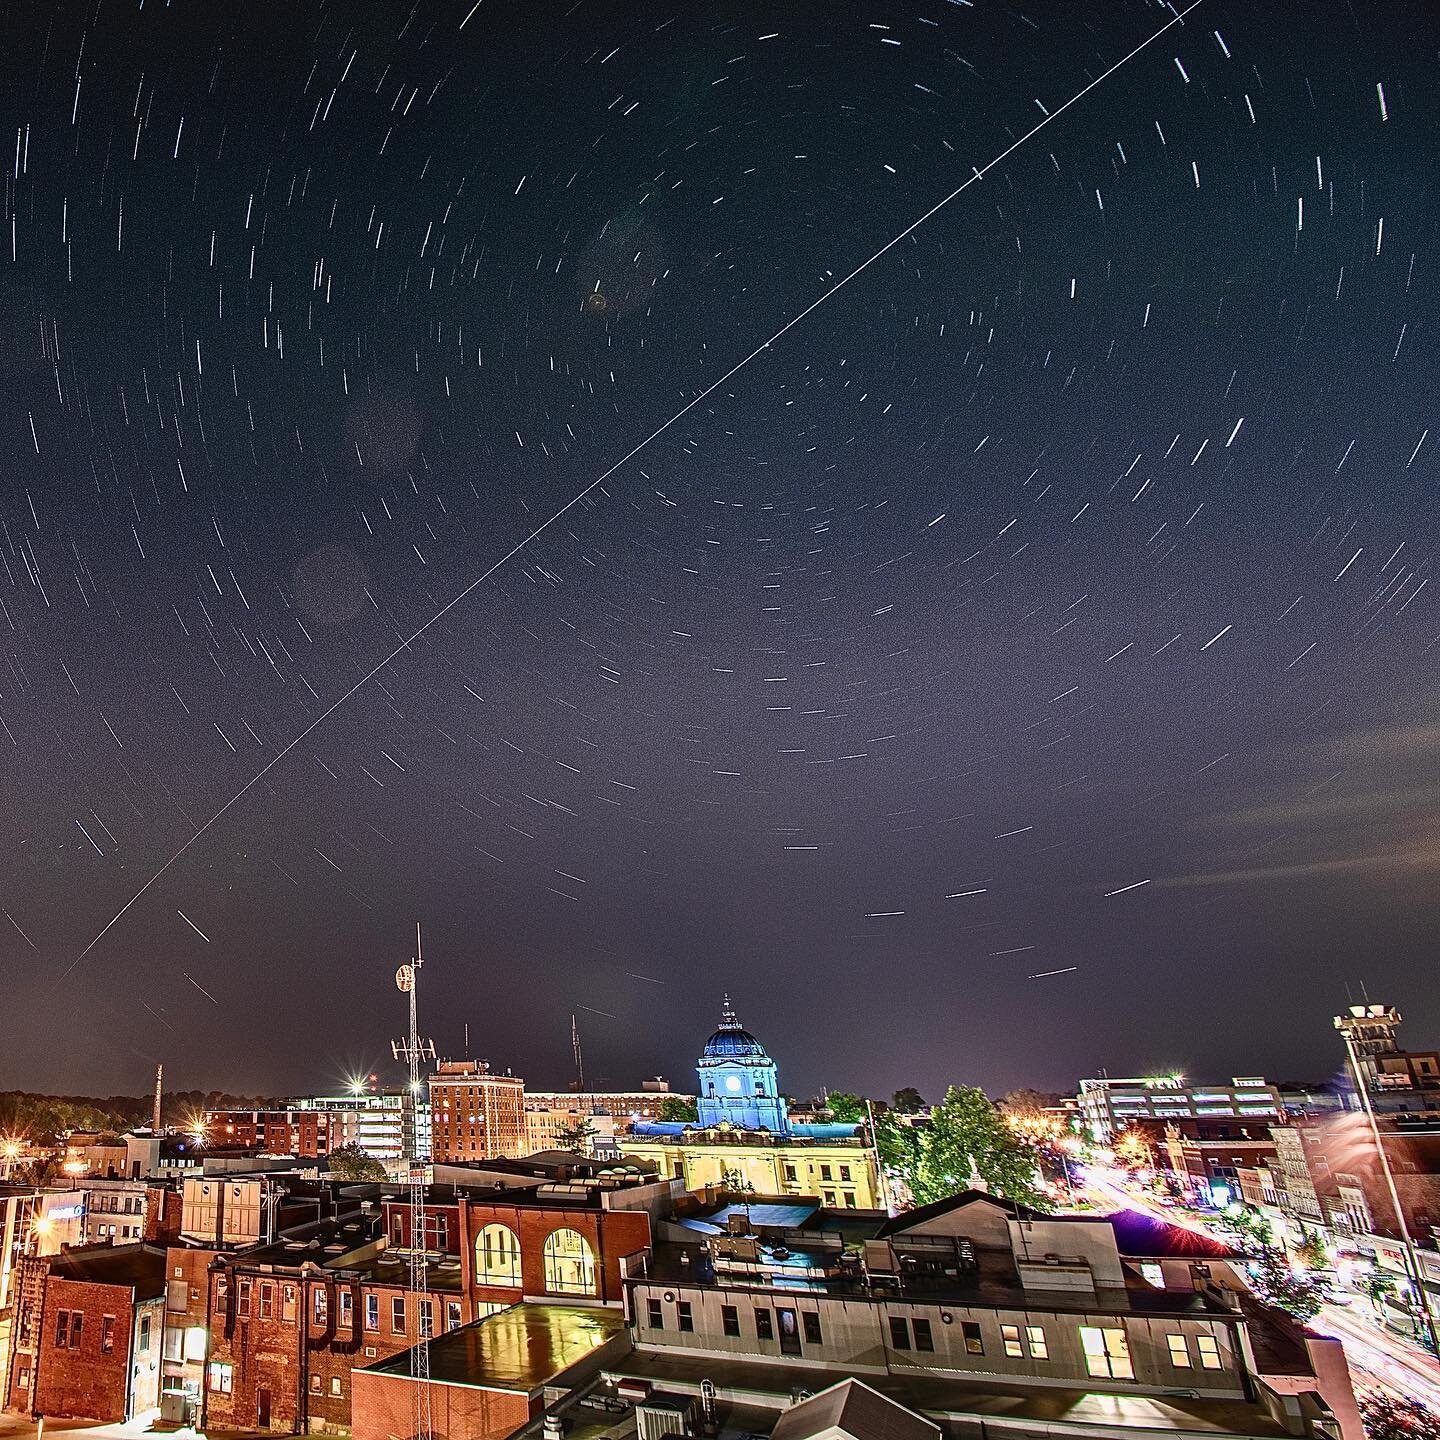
[738,1081]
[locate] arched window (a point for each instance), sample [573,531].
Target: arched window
[569,1263]
[497,1257]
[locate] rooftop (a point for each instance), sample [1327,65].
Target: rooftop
[136,1267]
[993,1284]
[1099,1414]
[520,1349]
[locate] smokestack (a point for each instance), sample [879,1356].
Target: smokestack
[159,1090]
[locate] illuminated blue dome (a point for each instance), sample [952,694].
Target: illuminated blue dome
[738,1084]
[730,1042]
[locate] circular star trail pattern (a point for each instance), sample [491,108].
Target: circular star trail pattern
[1027,664]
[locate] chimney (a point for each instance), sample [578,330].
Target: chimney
[159,1090]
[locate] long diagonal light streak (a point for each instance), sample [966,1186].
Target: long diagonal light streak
[976,174]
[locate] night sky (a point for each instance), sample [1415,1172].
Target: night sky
[1027,664]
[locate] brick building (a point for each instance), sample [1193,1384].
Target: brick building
[307,1134]
[1206,1157]
[476,1114]
[87,1334]
[289,1322]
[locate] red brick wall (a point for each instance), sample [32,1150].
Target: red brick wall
[85,1382]
[162,1214]
[297,1358]
[612,1234]
[384,1406]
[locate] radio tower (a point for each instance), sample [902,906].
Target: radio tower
[413,1050]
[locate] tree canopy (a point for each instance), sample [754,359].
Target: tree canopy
[350,1162]
[965,1140]
[677,1108]
[846,1108]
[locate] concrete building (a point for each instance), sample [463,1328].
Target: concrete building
[1106,1106]
[389,1124]
[744,1136]
[476,1114]
[975,1309]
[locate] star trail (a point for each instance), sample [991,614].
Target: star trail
[1026,652]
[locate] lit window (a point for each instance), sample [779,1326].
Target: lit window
[347,1308]
[1035,1338]
[315,1384]
[322,1306]
[372,1312]
[1010,1336]
[1209,1350]
[1179,1351]
[335,1385]
[569,1263]
[497,1257]
[1153,1273]
[222,1378]
[974,1341]
[1107,1353]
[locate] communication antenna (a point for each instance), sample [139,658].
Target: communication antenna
[415,1051]
[579,1058]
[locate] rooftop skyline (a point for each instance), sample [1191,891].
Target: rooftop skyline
[1024,664]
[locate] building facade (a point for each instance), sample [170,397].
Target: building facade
[1106,1106]
[476,1114]
[745,1138]
[87,1332]
[307,1134]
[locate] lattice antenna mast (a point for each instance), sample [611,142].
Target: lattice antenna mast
[417,1052]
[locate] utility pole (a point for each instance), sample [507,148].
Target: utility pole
[1412,1258]
[413,1050]
[879,1166]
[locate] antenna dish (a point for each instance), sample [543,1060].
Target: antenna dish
[405,979]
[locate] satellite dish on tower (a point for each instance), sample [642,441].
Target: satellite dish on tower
[405,979]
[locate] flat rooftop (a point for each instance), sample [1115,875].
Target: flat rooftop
[1091,1413]
[994,1284]
[520,1350]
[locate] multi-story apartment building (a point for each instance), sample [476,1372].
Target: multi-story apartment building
[306,1133]
[476,1114]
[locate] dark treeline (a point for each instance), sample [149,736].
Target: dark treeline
[36,1117]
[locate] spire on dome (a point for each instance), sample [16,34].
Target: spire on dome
[728,1018]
